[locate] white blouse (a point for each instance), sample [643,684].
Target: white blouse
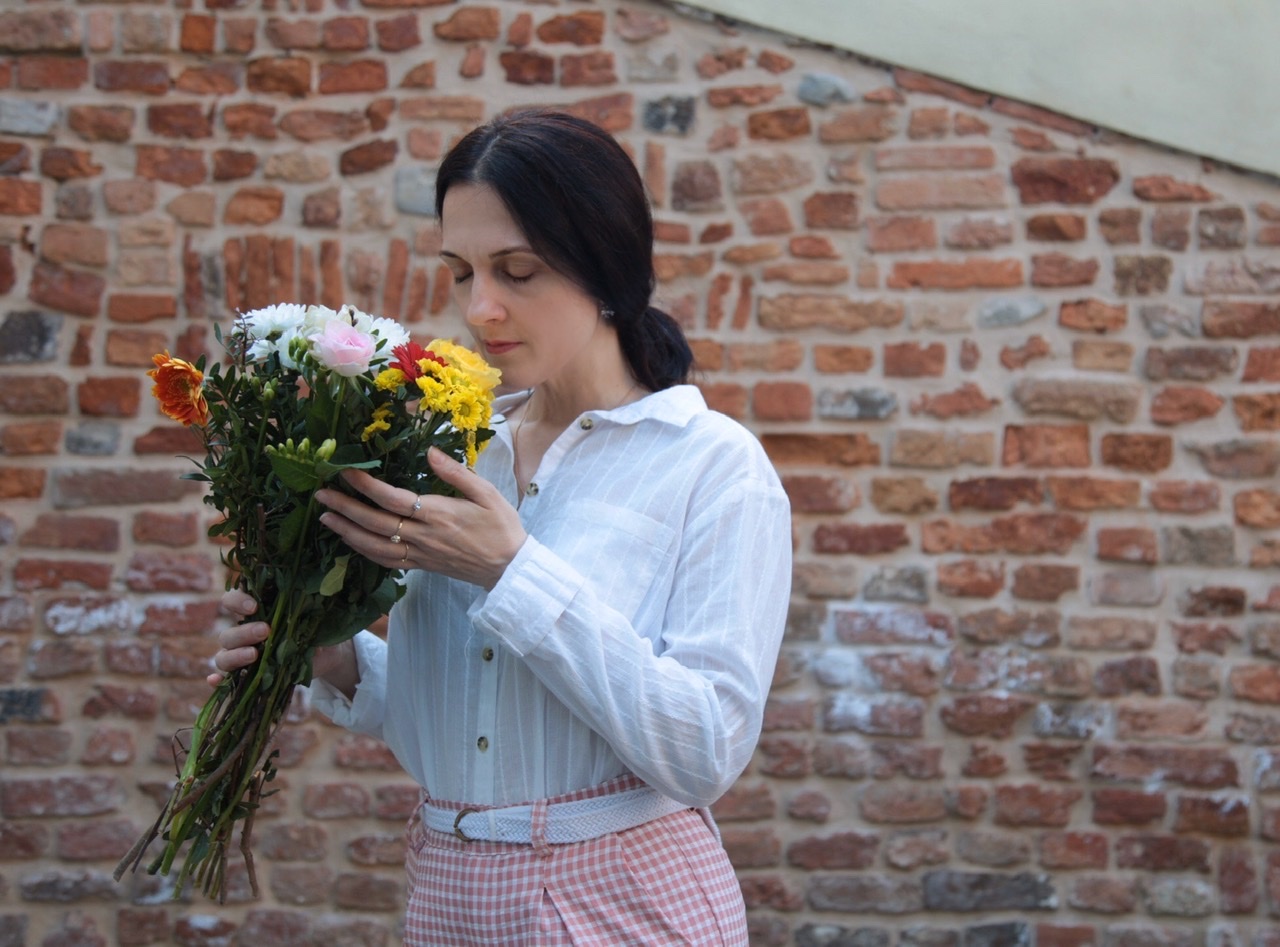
[636,629]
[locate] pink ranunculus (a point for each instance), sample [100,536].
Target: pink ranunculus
[342,348]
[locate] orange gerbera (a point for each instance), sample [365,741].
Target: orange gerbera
[178,388]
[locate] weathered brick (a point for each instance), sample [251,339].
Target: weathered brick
[1198,767]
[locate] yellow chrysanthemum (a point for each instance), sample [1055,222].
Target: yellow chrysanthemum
[389,379]
[379,422]
[465,410]
[435,395]
[481,372]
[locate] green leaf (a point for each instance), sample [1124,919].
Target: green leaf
[333,580]
[326,470]
[295,474]
[199,848]
[292,527]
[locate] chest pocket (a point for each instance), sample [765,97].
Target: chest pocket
[623,554]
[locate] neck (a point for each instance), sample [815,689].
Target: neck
[549,405]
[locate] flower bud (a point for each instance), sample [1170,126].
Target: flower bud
[325,450]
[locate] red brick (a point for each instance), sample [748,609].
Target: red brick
[1164,187]
[147,78]
[61,573]
[50,73]
[1072,850]
[913,360]
[181,166]
[1237,881]
[966,401]
[973,273]
[1181,404]
[1064,180]
[902,804]
[1092,315]
[983,715]
[1220,816]
[940,192]
[1044,582]
[66,290]
[970,578]
[361,75]
[1127,544]
[1257,683]
[841,850]
[1198,767]
[59,796]
[1162,853]
[858,539]
[1058,270]
[30,438]
[1045,445]
[286,75]
[1140,453]
[21,483]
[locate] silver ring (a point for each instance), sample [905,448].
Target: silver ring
[417,505]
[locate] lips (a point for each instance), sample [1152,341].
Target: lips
[499,347]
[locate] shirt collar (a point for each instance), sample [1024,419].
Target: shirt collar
[676,405]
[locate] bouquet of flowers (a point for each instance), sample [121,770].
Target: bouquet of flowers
[306,393]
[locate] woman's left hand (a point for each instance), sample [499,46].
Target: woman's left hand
[472,537]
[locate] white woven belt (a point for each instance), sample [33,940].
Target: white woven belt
[566,821]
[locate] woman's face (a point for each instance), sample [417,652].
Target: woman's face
[531,322]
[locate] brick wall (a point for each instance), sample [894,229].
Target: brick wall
[1021,377]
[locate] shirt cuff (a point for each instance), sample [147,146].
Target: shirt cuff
[524,605]
[365,712]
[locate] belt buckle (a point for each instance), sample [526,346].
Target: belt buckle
[457,825]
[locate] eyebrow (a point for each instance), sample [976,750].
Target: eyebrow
[497,254]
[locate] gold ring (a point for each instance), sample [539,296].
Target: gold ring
[395,537]
[405,557]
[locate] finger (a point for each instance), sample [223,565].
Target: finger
[374,519]
[371,545]
[250,634]
[236,602]
[476,489]
[215,679]
[392,499]
[235,658]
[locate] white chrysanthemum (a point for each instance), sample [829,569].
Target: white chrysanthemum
[316,318]
[392,332]
[271,322]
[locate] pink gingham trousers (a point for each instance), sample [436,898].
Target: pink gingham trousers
[666,882]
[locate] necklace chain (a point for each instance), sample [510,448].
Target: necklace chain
[515,436]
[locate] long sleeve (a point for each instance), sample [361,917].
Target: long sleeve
[366,712]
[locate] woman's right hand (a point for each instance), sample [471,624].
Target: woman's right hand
[239,644]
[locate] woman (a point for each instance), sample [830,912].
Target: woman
[579,666]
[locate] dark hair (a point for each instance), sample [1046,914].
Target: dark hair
[576,196]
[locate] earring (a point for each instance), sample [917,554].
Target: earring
[606,313]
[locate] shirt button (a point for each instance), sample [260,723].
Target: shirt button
[586,424]
[483,744]
[531,490]
[487,654]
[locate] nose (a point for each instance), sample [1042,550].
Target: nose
[483,303]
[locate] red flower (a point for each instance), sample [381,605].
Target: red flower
[409,358]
